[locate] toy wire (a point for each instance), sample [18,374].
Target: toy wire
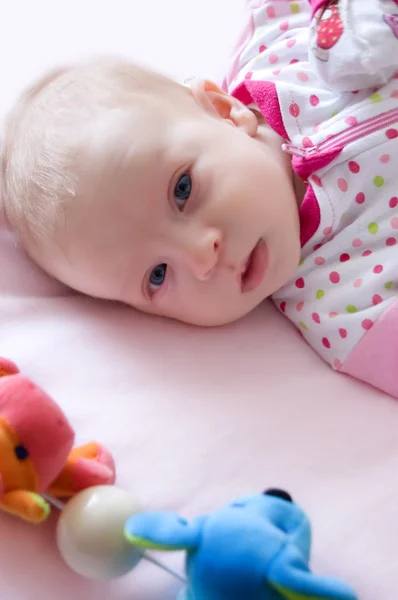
[61,505]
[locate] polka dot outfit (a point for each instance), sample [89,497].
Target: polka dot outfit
[344,143]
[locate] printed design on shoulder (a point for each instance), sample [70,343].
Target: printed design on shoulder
[392,22]
[326,30]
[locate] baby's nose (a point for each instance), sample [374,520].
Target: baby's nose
[204,253]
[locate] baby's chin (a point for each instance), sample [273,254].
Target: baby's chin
[212,319]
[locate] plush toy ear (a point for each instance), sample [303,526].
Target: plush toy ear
[163,531]
[291,577]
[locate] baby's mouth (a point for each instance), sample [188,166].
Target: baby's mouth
[255,267]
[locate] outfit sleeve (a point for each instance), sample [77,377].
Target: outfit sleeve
[375,359]
[267,24]
[353,44]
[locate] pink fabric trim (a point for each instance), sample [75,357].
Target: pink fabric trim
[375,358]
[305,166]
[245,37]
[264,94]
[310,216]
[316,4]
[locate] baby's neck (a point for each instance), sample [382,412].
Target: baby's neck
[271,137]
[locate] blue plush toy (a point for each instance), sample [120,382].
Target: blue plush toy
[255,548]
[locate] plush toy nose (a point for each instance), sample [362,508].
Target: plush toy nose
[279,494]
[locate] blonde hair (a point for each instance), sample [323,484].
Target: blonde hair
[44,133]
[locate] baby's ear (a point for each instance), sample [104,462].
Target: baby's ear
[162,531]
[214,101]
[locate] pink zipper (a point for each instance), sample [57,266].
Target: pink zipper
[353,134]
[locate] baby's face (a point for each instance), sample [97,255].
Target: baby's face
[187,212]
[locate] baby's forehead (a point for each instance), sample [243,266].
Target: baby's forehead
[136,139]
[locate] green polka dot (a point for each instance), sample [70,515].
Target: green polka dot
[376,98]
[335,113]
[303,326]
[342,217]
[320,294]
[388,285]
[373,228]
[378,181]
[302,261]
[294,8]
[351,308]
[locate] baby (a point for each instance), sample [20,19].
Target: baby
[197,203]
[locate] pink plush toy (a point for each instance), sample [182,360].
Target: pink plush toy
[36,450]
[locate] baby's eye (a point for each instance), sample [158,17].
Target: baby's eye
[157,277]
[183,190]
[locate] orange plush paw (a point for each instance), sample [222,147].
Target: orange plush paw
[26,505]
[87,466]
[7,367]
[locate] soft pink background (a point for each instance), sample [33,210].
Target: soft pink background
[192,416]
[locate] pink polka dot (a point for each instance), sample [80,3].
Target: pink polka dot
[394,223]
[284,26]
[262,48]
[378,269]
[271,12]
[316,180]
[306,142]
[300,283]
[344,257]
[294,61]
[358,282]
[367,324]
[393,202]
[391,241]
[314,100]
[326,342]
[333,315]
[276,72]
[334,277]
[337,363]
[327,231]
[357,243]
[290,43]
[294,109]
[385,158]
[392,133]
[273,59]
[317,246]
[360,198]
[300,306]
[377,299]
[396,75]
[354,167]
[394,94]
[317,127]
[249,75]
[343,333]
[366,253]
[343,184]
[319,261]
[302,76]
[283,306]
[316,318]
[351,121]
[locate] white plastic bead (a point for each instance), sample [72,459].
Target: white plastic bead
[90,533]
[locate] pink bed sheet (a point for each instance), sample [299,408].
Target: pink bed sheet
[194,416]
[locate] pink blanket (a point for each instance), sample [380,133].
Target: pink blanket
[192,416]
